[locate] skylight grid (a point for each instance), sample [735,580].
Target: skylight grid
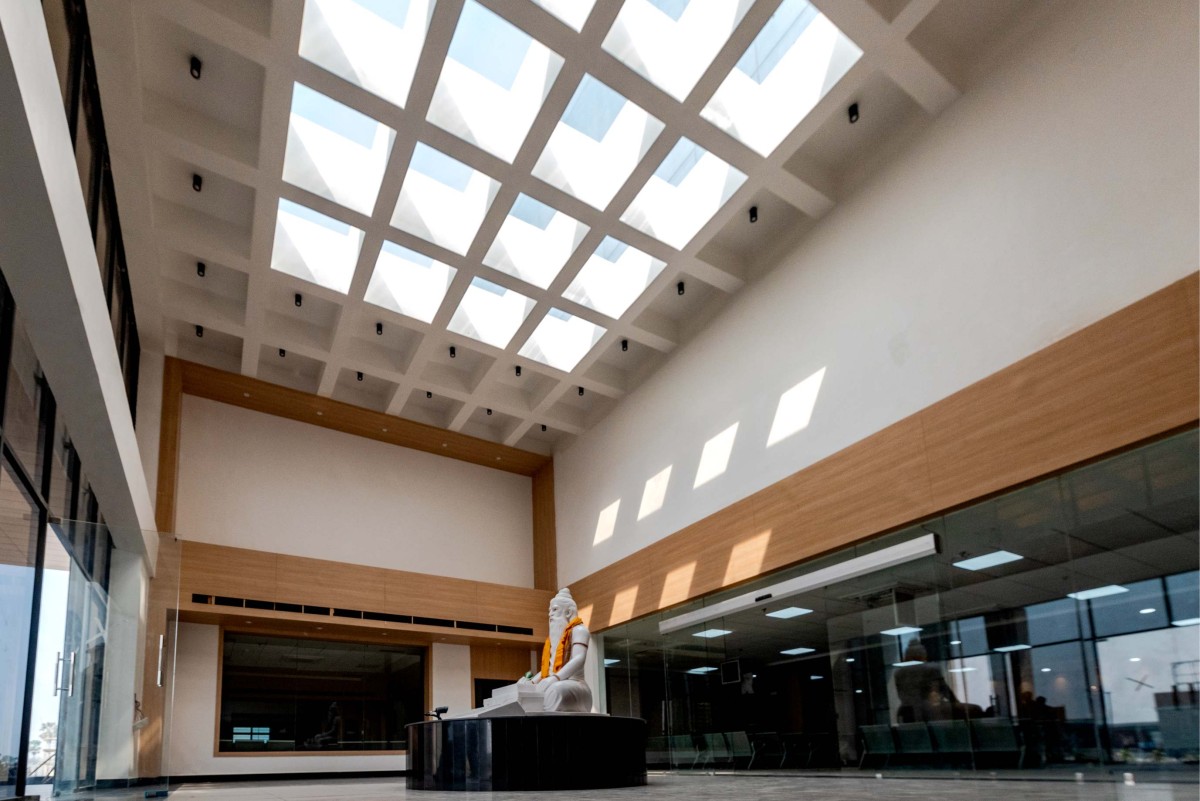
[408,282]
[492,83]
[490,313]
[684,193]
[334,151]
[314,247]
[562,340]
[797,57]
[672,43]
[534,242]
[596,144]
[443,201]
[374,44]
[573,12]
[613,278]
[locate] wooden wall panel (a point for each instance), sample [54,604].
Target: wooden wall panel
[1129,377]
[168,445]
[499,662]
[260,396]
[162,600]
[545,547]
[236,572]
[323,583]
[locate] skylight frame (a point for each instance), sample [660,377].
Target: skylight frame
[562,340]
[477,108]
[371,52]
[689,187]
[535,254]
[323,157]
[438,212]
[761,113]
[611,287]
[490,313]
[408,282]
[315,247]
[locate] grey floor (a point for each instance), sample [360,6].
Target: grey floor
[664,787]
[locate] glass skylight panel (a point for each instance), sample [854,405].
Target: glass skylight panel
[900,631]
[490,313]
[797,651]
[700,671]
[492,83]
[684,193]
[534,242]
[572,12]
[561,340]
[597,144]
[409,282]
[314,247]
[796,58]
[1097,592]
[613,278]
[993,559]
[672,42]
[789,612]
[374,44]
[443,200]
[334,151]
[709,634]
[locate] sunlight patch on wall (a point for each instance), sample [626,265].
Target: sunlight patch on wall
[623,605]
[677,585]
[715,458]
[654,493]
[746,558]
[606,524]
[795,408]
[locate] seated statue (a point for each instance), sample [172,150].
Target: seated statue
[561,677]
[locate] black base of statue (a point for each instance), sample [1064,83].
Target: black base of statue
[531,752]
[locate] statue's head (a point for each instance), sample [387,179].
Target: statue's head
[562,606]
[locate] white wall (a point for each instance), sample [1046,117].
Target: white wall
[193,722]
[125,643]
[255,481]
[452,677]
[1059,189]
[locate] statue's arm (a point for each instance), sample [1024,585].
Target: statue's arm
[573,667]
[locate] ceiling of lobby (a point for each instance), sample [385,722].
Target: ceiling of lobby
[560,186]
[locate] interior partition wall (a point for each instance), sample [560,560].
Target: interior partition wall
[1054,630]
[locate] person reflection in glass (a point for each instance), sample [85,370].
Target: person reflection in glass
[331,733]
[923,692]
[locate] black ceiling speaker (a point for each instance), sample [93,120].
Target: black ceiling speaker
[197,182]
[194,67]
[852,113]
[200,268]
[754,214]
[379,329]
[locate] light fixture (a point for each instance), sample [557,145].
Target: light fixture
[815,678]
[611,662]
[956,642]
[489,412]
[282,353]
[517,370]
[709,634]
[360,375]
[428,396]
[1135,659]
[1148,611]
[299,300]
[1097,592]
[581,392]
[1004,649]
[789,612]
[852,113]
[200,268]
[453,352]
[883,559]
[543,426]
[700,671]
[754,214]
[850,659]
[900,631]
[858,692]
[962,670]
[1045,670]
[197,182]
[908,663]
[1187,621]
[797,651]
[679,287]
[379,329]
[199,330]
[988,560]
[624,344]
[195,64]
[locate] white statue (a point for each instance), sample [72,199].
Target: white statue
[561,677]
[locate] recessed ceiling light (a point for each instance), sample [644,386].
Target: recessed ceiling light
[962,670]
[907,663]
[1004,649]
[798,651]
[1147,611]
[1045,670]
[611,662]
[987,560]
[858,692]
[789,612]
[708,634]
[850,659]
[1190,621]
[956,642]
[701,670]
[815,678]
[1097,592]
[1135,659]
[901,631]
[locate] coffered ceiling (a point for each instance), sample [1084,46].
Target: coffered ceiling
[492,216]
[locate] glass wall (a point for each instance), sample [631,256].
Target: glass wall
[290,694]
[1055,629]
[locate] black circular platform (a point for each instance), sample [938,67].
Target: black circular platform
[532,752]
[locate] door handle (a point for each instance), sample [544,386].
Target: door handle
[158,673]
[58,660]
[71,677]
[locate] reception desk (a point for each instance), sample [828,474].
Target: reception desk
[528,752]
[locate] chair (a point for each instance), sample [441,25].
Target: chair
[913,738]
[877,740]
[715,750]
[997,736]
[765,745]
[952,737]
[683,751]
[797,748]
[740,749]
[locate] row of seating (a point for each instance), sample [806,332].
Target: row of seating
[956,737]
[742,750]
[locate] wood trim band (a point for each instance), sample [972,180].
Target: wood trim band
[1128,378]
[545,548]
[168,445]
[260,396]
